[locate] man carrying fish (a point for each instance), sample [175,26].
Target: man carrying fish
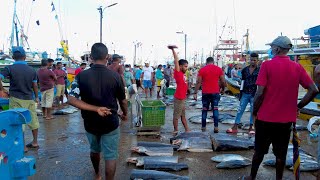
[99,108]
[249,78]
[180,68]
[209,77]
[275,104]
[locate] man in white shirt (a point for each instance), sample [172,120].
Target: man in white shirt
[147,76]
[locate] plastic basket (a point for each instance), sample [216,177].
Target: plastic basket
[170,91]
[4,104]
[153,113]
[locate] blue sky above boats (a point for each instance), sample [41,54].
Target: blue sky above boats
[155,23]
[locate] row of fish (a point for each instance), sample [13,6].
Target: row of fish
[307,162]
[226,103]
[203,142]
[159,158]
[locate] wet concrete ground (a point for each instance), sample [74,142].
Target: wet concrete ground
[64,151]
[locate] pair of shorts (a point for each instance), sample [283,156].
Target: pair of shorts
[179,108]
[277,134]
[147,84]
[138,82]
[47,98]
[27,104]
[159,82]
[105,143]
[60,90]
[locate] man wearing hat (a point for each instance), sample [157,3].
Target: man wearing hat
[275,104]
[147,76]
[23,83]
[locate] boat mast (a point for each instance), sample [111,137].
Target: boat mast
[14,25]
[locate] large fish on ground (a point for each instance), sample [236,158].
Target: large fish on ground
[233,164]
[152,174]
[228,157]
[156,144]
[187,135]
[65,111]
[226,142]
[194,144]
[139,161]
[223,116]
[153,151]
[164,166]
[198,119]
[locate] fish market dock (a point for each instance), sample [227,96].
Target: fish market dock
[64,150]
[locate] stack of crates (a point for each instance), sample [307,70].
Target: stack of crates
[153,113]
[4,104]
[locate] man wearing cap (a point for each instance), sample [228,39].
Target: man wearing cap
[23,83]
[147,76]
[275,104]
[249,77]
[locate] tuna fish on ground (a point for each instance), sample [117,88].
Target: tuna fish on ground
[139,161]
[228,157]
[226,142]
[152,174]
[164,166]
[198,119]
[194,144]
[233,164]
[153,151]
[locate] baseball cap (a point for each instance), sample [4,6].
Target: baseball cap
[116,56]
[18,49]
[281,41]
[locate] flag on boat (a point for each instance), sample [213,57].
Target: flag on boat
[296,157]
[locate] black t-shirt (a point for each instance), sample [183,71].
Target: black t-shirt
[101,87]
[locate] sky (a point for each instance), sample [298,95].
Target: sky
[154,23]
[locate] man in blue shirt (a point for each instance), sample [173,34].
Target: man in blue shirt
[138,73]
[23,83]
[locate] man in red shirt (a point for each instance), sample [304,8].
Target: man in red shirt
[81,68]
[60,83]
[275,104]
[209,76]
[179,109]
[46,81]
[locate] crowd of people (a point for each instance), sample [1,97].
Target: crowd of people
[100,90]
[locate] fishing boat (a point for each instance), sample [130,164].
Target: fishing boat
[306,51]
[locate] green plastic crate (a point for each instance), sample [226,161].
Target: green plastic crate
[153,113]
[171,91]
[4,104]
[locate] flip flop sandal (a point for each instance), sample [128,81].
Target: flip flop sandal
[230,130]
[30,145]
